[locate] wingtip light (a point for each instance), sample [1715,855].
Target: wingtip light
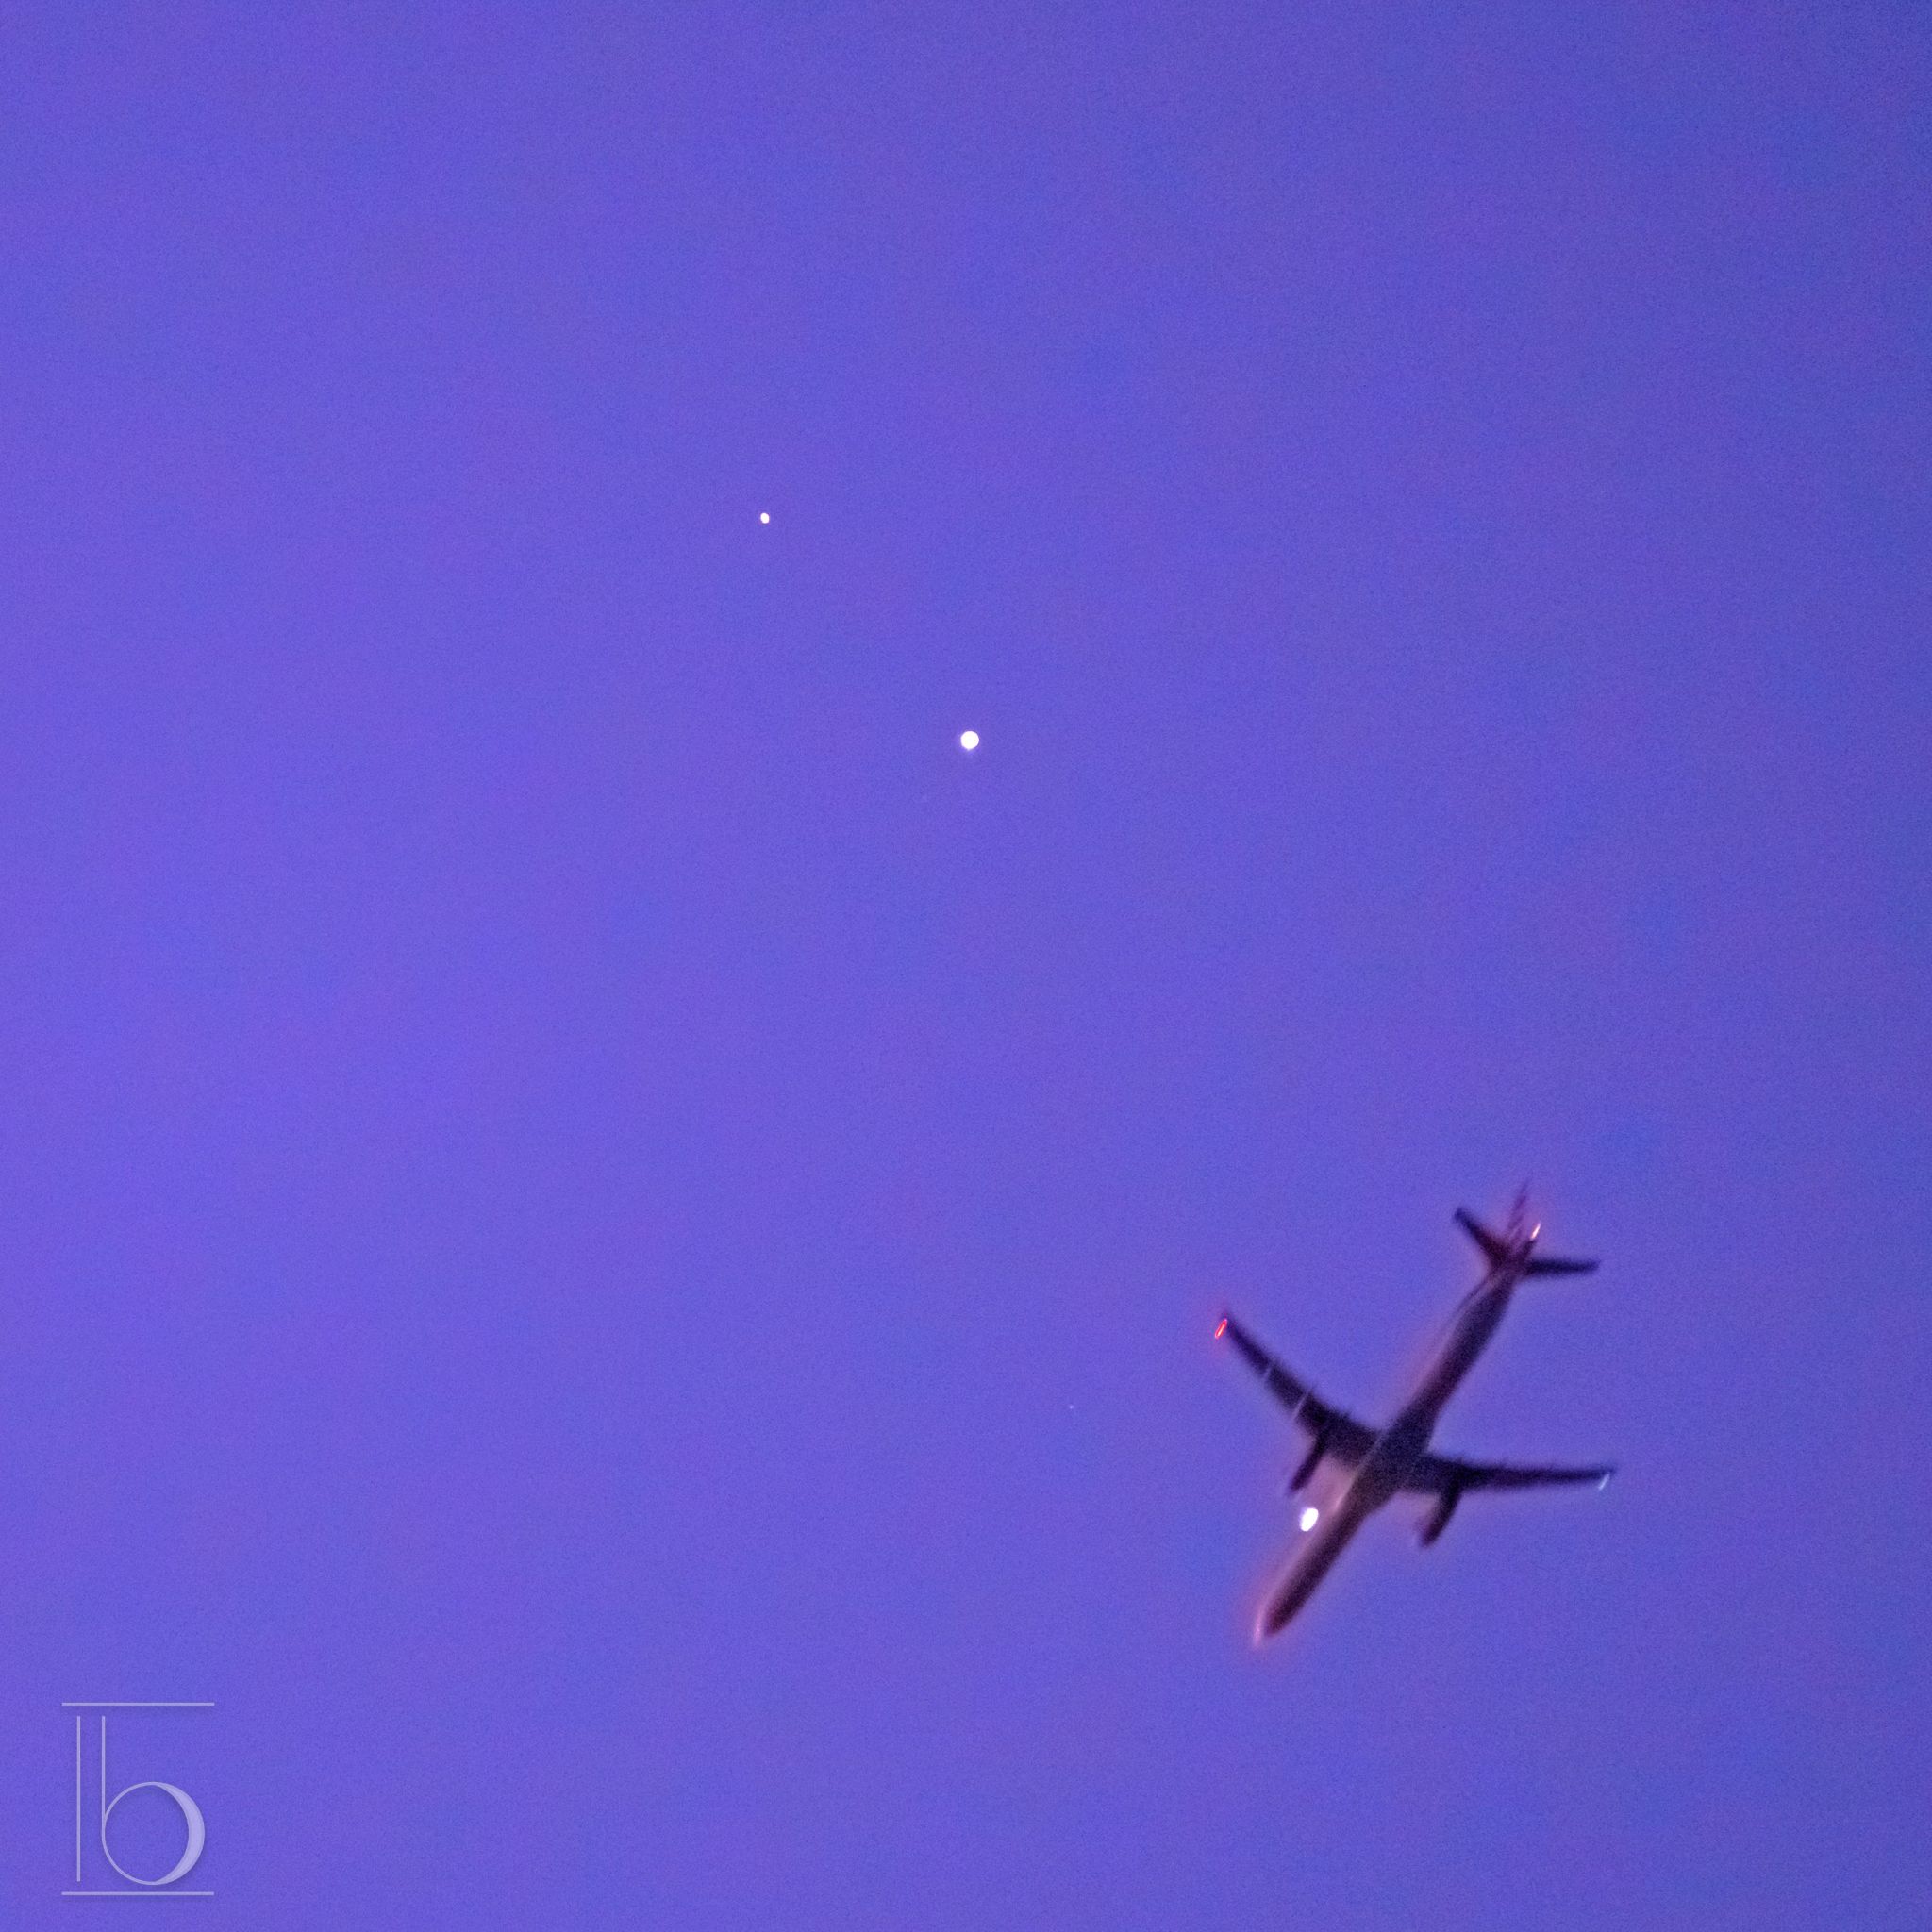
[1221,1328]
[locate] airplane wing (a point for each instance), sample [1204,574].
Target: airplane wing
[1343,1438]
[1444,1475]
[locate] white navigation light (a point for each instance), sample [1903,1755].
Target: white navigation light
[969,741]
[1310,1516]
[764,516]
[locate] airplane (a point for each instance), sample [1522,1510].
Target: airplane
[1379,1464]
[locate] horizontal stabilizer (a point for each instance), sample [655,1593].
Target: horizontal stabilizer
[1542,1264]
[1494,1248]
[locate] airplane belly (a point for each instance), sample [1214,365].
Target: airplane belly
[1310,1562]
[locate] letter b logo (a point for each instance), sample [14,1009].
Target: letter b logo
[103,1806]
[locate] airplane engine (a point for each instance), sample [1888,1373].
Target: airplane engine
[1439,1517]
[1309,1463]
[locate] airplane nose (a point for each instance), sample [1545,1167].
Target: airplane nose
[1274,1614]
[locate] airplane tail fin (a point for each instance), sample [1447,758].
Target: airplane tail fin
[1496,1251]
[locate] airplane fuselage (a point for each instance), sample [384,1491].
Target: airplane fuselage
[1382,1473]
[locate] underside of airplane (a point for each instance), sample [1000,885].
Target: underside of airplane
[1376,1465]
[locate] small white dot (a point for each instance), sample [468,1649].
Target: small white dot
[1309,1518]
[969,741]
[764,516]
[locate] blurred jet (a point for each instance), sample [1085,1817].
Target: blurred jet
[1377,1464]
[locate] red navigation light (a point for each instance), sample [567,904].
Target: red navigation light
[1221,1329]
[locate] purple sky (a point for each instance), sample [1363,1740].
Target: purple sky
[612,1244]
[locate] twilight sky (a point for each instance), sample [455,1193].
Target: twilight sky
[611,1244]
